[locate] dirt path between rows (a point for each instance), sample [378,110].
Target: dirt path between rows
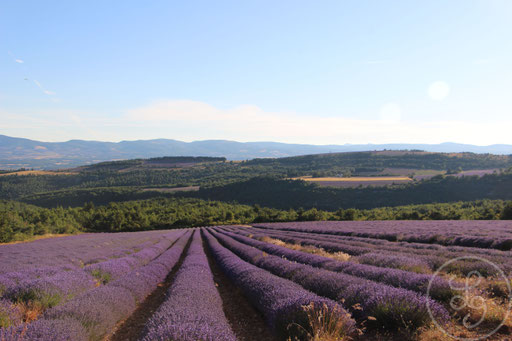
[246,322]
[131,329]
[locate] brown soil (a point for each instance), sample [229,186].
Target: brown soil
[131,329]
[246,322]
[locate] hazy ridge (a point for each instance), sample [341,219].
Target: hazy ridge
[20,152]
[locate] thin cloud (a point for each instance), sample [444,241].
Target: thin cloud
[192,120]
[187,120]
[16,60]
[36,82]
[40,86]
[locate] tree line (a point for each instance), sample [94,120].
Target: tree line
[20,221]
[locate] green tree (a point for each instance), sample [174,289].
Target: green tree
[506,213]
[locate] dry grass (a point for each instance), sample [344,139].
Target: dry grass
[326,324]
[37,172]
[339,256]
[489,318]
[30,311]
[496,307]
[436,334]
[455,331]
[34,238]
[498,289]
[355,179]
[489,311]
[491,293]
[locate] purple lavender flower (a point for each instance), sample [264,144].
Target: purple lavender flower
[406,308]
[46,330]
[98,310]
[281,301]
[193,308]
[141,282]
[10,315]
[440,289]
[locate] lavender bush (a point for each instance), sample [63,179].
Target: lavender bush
[402,308]
[193,307]
[281,301]
[483,234]
[97,311]
[10,315]
[431,256]
[440,289]
[143,281]
[75,251]
[46,330]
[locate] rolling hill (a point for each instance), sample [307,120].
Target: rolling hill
[24,153]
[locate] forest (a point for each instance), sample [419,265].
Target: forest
[215,172]
[20,221]
[286,194]
[131,195]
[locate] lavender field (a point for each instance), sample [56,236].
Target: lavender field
[386,280]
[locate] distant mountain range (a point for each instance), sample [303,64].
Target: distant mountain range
[20,152]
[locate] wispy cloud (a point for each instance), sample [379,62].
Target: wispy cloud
[188,120]
[192,120]
[40,86]
[36,82]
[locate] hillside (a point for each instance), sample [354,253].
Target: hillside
[170,192]
[19,152]
[264,181]
[286,194]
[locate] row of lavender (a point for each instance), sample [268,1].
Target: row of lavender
[440,289]
[91,311]
[192,309]
[287,307]
[288,287]
[383,305]
[482,234]
[102,255]
[406,256]
[73,251]
[407,247]
[46,288]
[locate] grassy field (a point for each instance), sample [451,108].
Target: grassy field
[37,172]
[356,181]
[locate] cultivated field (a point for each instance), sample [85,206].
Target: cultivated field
[387,280]
[36,172]
[173,189]
[357,181]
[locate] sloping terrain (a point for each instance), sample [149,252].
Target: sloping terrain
[19,152]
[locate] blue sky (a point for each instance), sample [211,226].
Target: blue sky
[320,72]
